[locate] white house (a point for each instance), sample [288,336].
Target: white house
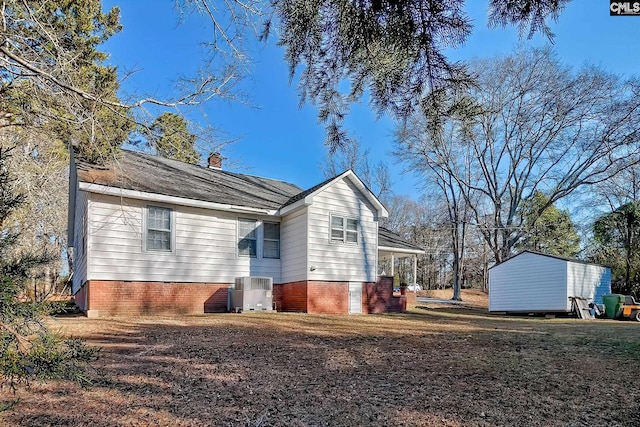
[153,235]
[533,282]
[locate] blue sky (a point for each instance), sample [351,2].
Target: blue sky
[279,140]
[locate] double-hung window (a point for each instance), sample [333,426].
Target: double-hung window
[247,237]
[271,240]
[351,231]
[159,229]
[344,230]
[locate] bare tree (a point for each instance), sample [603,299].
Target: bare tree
[532,125]
[619,190]
[443,163]
[351,156]
[427,224]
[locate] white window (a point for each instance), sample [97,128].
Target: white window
[344,230]
[247,237]
[159,229]
[351,235]
[271,240]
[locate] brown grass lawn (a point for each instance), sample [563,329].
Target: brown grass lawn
[470,297]
[431,367]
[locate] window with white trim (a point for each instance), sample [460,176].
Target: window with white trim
[344,230]
[159,229]
[271,240]
[247,237]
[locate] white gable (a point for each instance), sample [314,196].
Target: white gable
[358,189]
[342,261]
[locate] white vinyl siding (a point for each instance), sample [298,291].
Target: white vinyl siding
[356,260]
[80,241]
[528,283]
[536,283]
[205,246]
[588,281]
[293,252]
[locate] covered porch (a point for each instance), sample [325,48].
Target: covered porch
[394,253]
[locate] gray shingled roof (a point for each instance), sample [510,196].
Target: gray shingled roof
[387,238]
[305,193]
[154,174]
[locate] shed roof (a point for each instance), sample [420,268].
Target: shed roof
[579,261]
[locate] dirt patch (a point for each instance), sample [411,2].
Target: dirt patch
[430,367]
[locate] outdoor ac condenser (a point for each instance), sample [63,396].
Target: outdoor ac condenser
[252,294]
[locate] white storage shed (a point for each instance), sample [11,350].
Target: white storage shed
[532,282]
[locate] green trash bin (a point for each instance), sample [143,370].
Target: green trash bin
[612,304]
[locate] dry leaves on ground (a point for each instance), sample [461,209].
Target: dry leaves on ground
[430,367]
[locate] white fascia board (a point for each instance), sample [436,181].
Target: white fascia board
[382,211]
[400,250]
[295,206]
[162,198]
[308,200]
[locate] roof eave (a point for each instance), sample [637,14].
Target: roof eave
[382,211]
[163,198]
[401,250]
[307,201]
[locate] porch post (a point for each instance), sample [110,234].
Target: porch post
[393,261]
[415,269]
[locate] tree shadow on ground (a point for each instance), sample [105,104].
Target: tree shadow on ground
[434,368]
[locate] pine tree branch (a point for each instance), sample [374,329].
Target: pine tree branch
[24,343]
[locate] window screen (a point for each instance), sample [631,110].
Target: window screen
[247,239]
[271,247]
[352,231]
[344,230]
[158,229]
[337,228]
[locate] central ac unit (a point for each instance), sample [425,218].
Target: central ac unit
[252,294]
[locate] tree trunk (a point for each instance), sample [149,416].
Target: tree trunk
[457,259]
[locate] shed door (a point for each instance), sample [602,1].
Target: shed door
[355,297]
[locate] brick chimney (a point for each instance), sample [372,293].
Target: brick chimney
[215,160]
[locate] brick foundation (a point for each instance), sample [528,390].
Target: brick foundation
[411,299]
[327,297]
[106,297]
[312,297]
[111,298]
[318,297]
[79,298]
[377,296]
[291,296]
